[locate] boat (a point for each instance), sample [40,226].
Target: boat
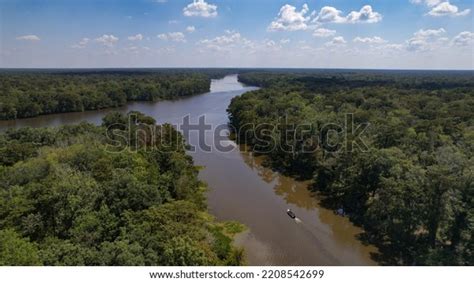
[291,213]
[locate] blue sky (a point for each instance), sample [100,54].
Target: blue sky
[412,34]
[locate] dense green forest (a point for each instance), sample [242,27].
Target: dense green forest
[97,195]
[410,187]
[31,93]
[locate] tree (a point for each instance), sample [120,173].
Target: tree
[15,250]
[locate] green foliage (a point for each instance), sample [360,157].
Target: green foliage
[412,188]
[75,199]
[233,227]
[15,250]
[29,94]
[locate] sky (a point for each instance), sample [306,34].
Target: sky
[374,34]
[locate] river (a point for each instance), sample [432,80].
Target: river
[241,189]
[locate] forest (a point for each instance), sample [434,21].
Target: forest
[124,193]
[30,93]
[410,187]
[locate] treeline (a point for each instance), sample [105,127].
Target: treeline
[93,195]
[409,179]
[31,93]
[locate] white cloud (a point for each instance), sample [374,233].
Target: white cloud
[338,40]
[323,32]
[107,39]
[290,19]
[429,3]
[370,40]
[270,44]
[447,9]
[200,8]
[177,36]
[329,15]
[424,40]
[231,39]
[82,44]
[441,8]
[29,37]
[414,44]
[232,43]
[137,37]
[464,38]
[172,36]
[366,14]
[422,33]
[160,1]
[190,29]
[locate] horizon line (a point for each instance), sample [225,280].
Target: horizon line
[224,68]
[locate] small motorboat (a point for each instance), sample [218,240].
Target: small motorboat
[291,213]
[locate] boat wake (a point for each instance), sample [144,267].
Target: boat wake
[297,220]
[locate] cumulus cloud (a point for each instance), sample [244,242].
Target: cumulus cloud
[81,44]
[29,37]
[232,42]
[330,15]
[338,40]
[464,38]
[270,44]
[429,33]
[447,9]
[200,8]
[190,29]
[366,14]
[290,19]
[323,32]
[177,36]
[424,40]
[173,36]
[107,40]
[137,37]
[439,8]
[231,39]
[370,40]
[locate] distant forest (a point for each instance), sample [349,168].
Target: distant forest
[26,93]
[71,196]
[412,188]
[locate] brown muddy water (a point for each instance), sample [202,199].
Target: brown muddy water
[242,189]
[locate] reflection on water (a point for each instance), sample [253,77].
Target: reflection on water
[317,223]
[242,189]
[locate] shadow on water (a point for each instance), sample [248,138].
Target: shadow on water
[386,253]
[318,223]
